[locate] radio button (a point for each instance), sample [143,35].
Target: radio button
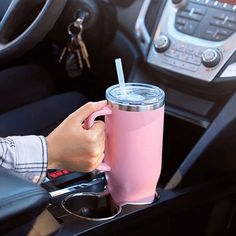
[232,18]
[190,15]
[210,33]
[188,28]
[198,9]
[181,20]
[217,33]
[225,32]
[180,64]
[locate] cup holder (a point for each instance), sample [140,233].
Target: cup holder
[91,206]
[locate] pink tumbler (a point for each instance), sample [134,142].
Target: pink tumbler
[134,120]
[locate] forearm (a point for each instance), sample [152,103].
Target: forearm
[25,156]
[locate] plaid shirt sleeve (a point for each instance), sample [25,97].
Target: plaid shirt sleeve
[25,156]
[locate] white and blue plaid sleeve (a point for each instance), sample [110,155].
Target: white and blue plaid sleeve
[25,156]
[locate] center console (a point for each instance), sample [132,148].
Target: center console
[188,49]
[158,217]
[195,38]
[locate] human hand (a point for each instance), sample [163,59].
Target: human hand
[75,148]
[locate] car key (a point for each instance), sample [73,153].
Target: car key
[63,53]
[76,45]
[77,51]
[78,24]
[67,48]
[73,30]
[83,47]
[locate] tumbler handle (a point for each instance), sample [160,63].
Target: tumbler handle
[89,121]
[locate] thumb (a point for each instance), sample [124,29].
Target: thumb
[87,109]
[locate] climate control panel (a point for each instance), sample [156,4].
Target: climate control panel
[195,38]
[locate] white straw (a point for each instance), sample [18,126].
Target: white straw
[120,74]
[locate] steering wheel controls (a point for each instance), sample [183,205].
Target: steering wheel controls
[162,43]
[210,57]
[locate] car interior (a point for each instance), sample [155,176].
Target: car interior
[185,47]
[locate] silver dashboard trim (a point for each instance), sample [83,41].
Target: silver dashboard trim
[140,28]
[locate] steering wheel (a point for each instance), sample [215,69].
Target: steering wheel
[25,23]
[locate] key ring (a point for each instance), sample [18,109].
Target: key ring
[72,29]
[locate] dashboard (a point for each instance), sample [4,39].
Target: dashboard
[188,49]
[195,38]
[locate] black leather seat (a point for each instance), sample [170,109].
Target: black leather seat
[40,117]
[24,84]
[29,104]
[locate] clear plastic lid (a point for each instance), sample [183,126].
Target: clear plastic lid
[135,97]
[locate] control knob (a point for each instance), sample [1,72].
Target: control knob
[176,1]
[162,43]
[179,3]
[210,57]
